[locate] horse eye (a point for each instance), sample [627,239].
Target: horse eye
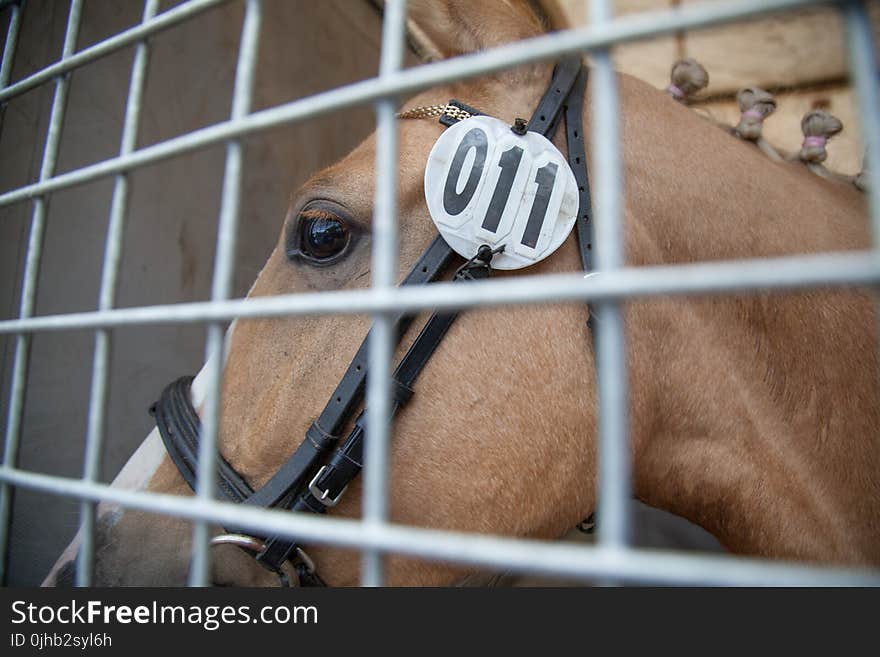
[323,237]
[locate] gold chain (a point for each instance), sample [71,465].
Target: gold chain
[429,111]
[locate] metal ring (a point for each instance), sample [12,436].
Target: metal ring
[239,540]
[306,559]
[255,546]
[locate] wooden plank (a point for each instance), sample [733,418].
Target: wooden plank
[791,49]
[649,60]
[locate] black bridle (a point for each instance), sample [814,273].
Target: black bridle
[309,482]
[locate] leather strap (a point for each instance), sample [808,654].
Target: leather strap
[324,432]
[577,158]
[550,108]
[565,96]
[347,461]
[179,424]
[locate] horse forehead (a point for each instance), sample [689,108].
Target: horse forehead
[354,174]
[352,179]
[415,139]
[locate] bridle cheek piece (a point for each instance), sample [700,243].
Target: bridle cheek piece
[310,480]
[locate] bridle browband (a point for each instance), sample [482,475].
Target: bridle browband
[309,482]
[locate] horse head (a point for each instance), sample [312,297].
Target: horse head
[754,416]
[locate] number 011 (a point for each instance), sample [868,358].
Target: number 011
[455,201]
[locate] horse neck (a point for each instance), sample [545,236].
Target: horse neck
[763,457]
[756,416]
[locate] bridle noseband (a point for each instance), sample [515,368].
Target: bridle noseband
[309,481]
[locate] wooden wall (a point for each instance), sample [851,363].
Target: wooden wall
[800,56]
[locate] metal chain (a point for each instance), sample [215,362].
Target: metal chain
[429,111]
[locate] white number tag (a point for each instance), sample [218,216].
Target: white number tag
[484,184]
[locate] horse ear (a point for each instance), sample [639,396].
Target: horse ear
[456,27]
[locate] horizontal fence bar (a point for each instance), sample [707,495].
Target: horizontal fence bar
[130,36]
[728,277]
[629,28]
[513,554]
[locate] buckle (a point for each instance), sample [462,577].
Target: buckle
[322,496]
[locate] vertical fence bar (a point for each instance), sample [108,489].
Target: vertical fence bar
[29,283]
[10,455]
[614,452]
[384,257]
[865,76]
[11,41]
[97,414]
[224,270]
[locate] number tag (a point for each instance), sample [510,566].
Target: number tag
[484,184]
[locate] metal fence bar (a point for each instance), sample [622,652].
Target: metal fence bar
[165,20]
[374,535]
[6,493]
[30,282]
[633,27]
[9,47]
[865,76]
[730,277]
[519,555]
[614,490]
[107,298]
[384,239]
[224,270]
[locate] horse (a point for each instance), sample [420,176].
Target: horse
[754,416]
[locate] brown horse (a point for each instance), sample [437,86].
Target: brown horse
[756,417]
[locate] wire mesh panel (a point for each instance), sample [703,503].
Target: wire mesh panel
[613,558]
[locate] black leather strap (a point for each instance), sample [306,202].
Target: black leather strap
[577,158]
[347,461]
[323,433]
[178,425]
[546,115]
[565,96]
[349,392]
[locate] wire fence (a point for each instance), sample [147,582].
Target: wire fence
[612,558]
